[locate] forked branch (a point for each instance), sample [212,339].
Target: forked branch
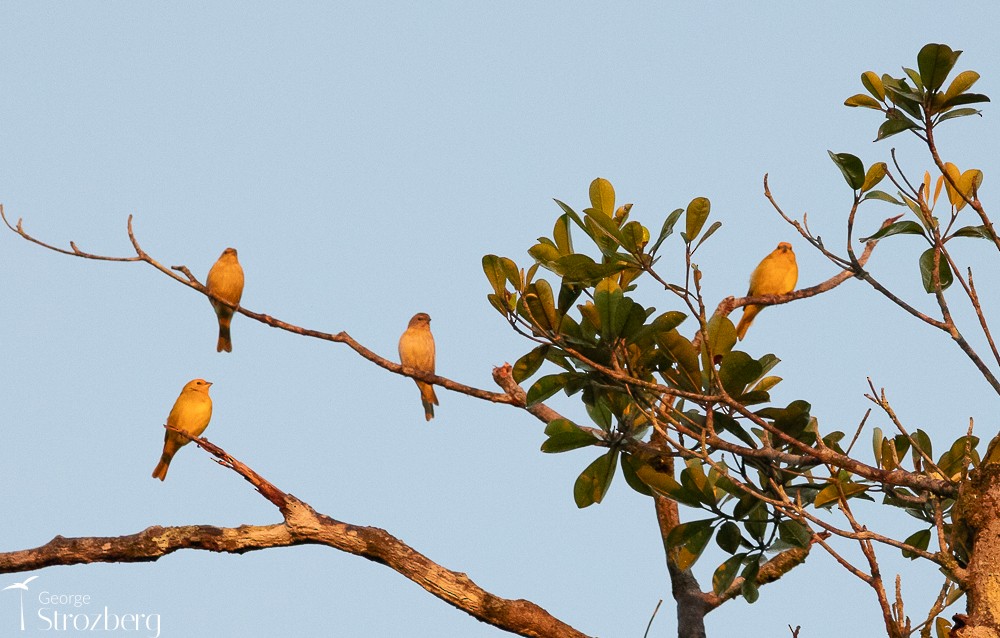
[302,525]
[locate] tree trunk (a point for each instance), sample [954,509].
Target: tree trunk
[691,605]
[978,508]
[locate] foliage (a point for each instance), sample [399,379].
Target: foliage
[670,385]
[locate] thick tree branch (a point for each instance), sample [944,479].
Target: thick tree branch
[302,526]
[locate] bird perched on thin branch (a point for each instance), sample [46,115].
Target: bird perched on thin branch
[191,413]
[775,275]
[225,281]
[416,350]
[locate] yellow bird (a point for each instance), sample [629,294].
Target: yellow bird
[225,280]
[416,350]
[191,413]
[775,275]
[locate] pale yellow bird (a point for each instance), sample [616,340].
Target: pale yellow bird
[416,350]
[776,274]
[191,413]
[225,280]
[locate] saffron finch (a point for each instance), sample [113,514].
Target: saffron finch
[191,413]
[416,350]
[775,275]
[225,281]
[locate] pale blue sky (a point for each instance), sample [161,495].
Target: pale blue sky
[363,158]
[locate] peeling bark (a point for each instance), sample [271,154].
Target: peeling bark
[978,509]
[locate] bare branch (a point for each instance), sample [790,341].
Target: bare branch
[74,251]
[192,282]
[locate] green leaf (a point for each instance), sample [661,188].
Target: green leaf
[689,541]
[731,425]
[962,83]
[572,214]
[725,574]
[529,363]
[495,269]
[877,438]
[568,294]
[635,236]
[749,588]
[980,232]
[561,235]
[679,349]
[935,62]
[920,540]
[581,269]
[612,306]
[863,100]
[927,271]
[885,197]
[767,383]
[667,485]
[728,537]
[697,213]
[873,84]
[564,435]
[668,321]
[721,336]
[965,98]
[950,115]
[630,465]
[541,305]
[603,230]
[668,228]
[600,413]
[851,167]
[602,196]
[921,442]
[546,387]
[876,173]
[893,126]
[767,363]
[906,227]
[545,253]
[953,462]
[693,478]
[711,231]
[498,302]
[593,482]
[792,420]
[917,81]
[902,96]
[738,369]
[831,493]
[794,533]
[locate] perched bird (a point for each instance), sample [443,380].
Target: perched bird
[225,281]
[416,350]
[191,413]
[775,275]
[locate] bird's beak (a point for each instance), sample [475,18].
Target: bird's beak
[209,382]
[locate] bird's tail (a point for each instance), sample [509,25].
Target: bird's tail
[749,312]
[169,449]
[225,342]
[429,399]
[161,468]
